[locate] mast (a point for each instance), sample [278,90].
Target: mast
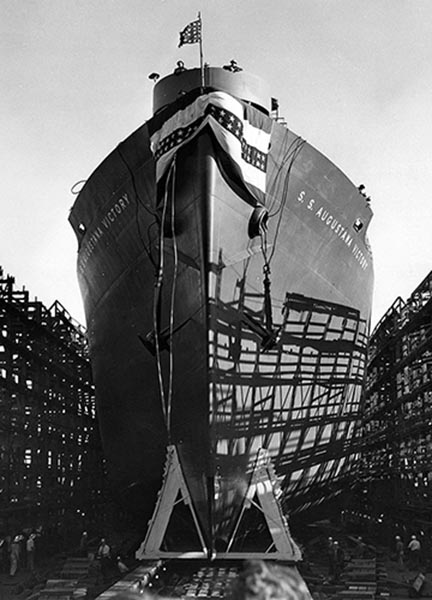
[201,53]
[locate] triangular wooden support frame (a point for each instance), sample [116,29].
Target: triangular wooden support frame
[261,488]
[173,483]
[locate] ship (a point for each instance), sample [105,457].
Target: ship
[227,279]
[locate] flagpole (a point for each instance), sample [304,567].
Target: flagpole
[201,53]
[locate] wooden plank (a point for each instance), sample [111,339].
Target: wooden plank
[61,582]
[364,593]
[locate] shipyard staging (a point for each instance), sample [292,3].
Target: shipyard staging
[227,282]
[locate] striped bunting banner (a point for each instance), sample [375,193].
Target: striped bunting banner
[243,133]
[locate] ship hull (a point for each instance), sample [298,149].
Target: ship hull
[219,340]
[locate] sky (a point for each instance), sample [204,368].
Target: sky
[353,78]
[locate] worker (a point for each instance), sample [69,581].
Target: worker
[331,555]
[84,544]
[414,548]
[15,551]
[121,566]
[399,551]
[360,548]
[104,556]
[339,560]
[30,549]
[3,554]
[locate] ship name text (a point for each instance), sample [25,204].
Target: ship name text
[106,222]
[324,215]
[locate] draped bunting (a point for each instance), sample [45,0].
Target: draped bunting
[242,132]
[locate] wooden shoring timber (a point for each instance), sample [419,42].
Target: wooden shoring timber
[261,494]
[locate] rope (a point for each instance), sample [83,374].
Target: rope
[292,154]
[139,203]
[157,298]
[74,189]
[267,281]
[172,300]
[166,398]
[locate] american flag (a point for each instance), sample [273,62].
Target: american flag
[191,34]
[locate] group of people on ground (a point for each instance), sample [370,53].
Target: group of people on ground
[18,552]
[337,556]
[412,554]
[408,555]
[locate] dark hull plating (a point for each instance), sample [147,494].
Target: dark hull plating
[220,343]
